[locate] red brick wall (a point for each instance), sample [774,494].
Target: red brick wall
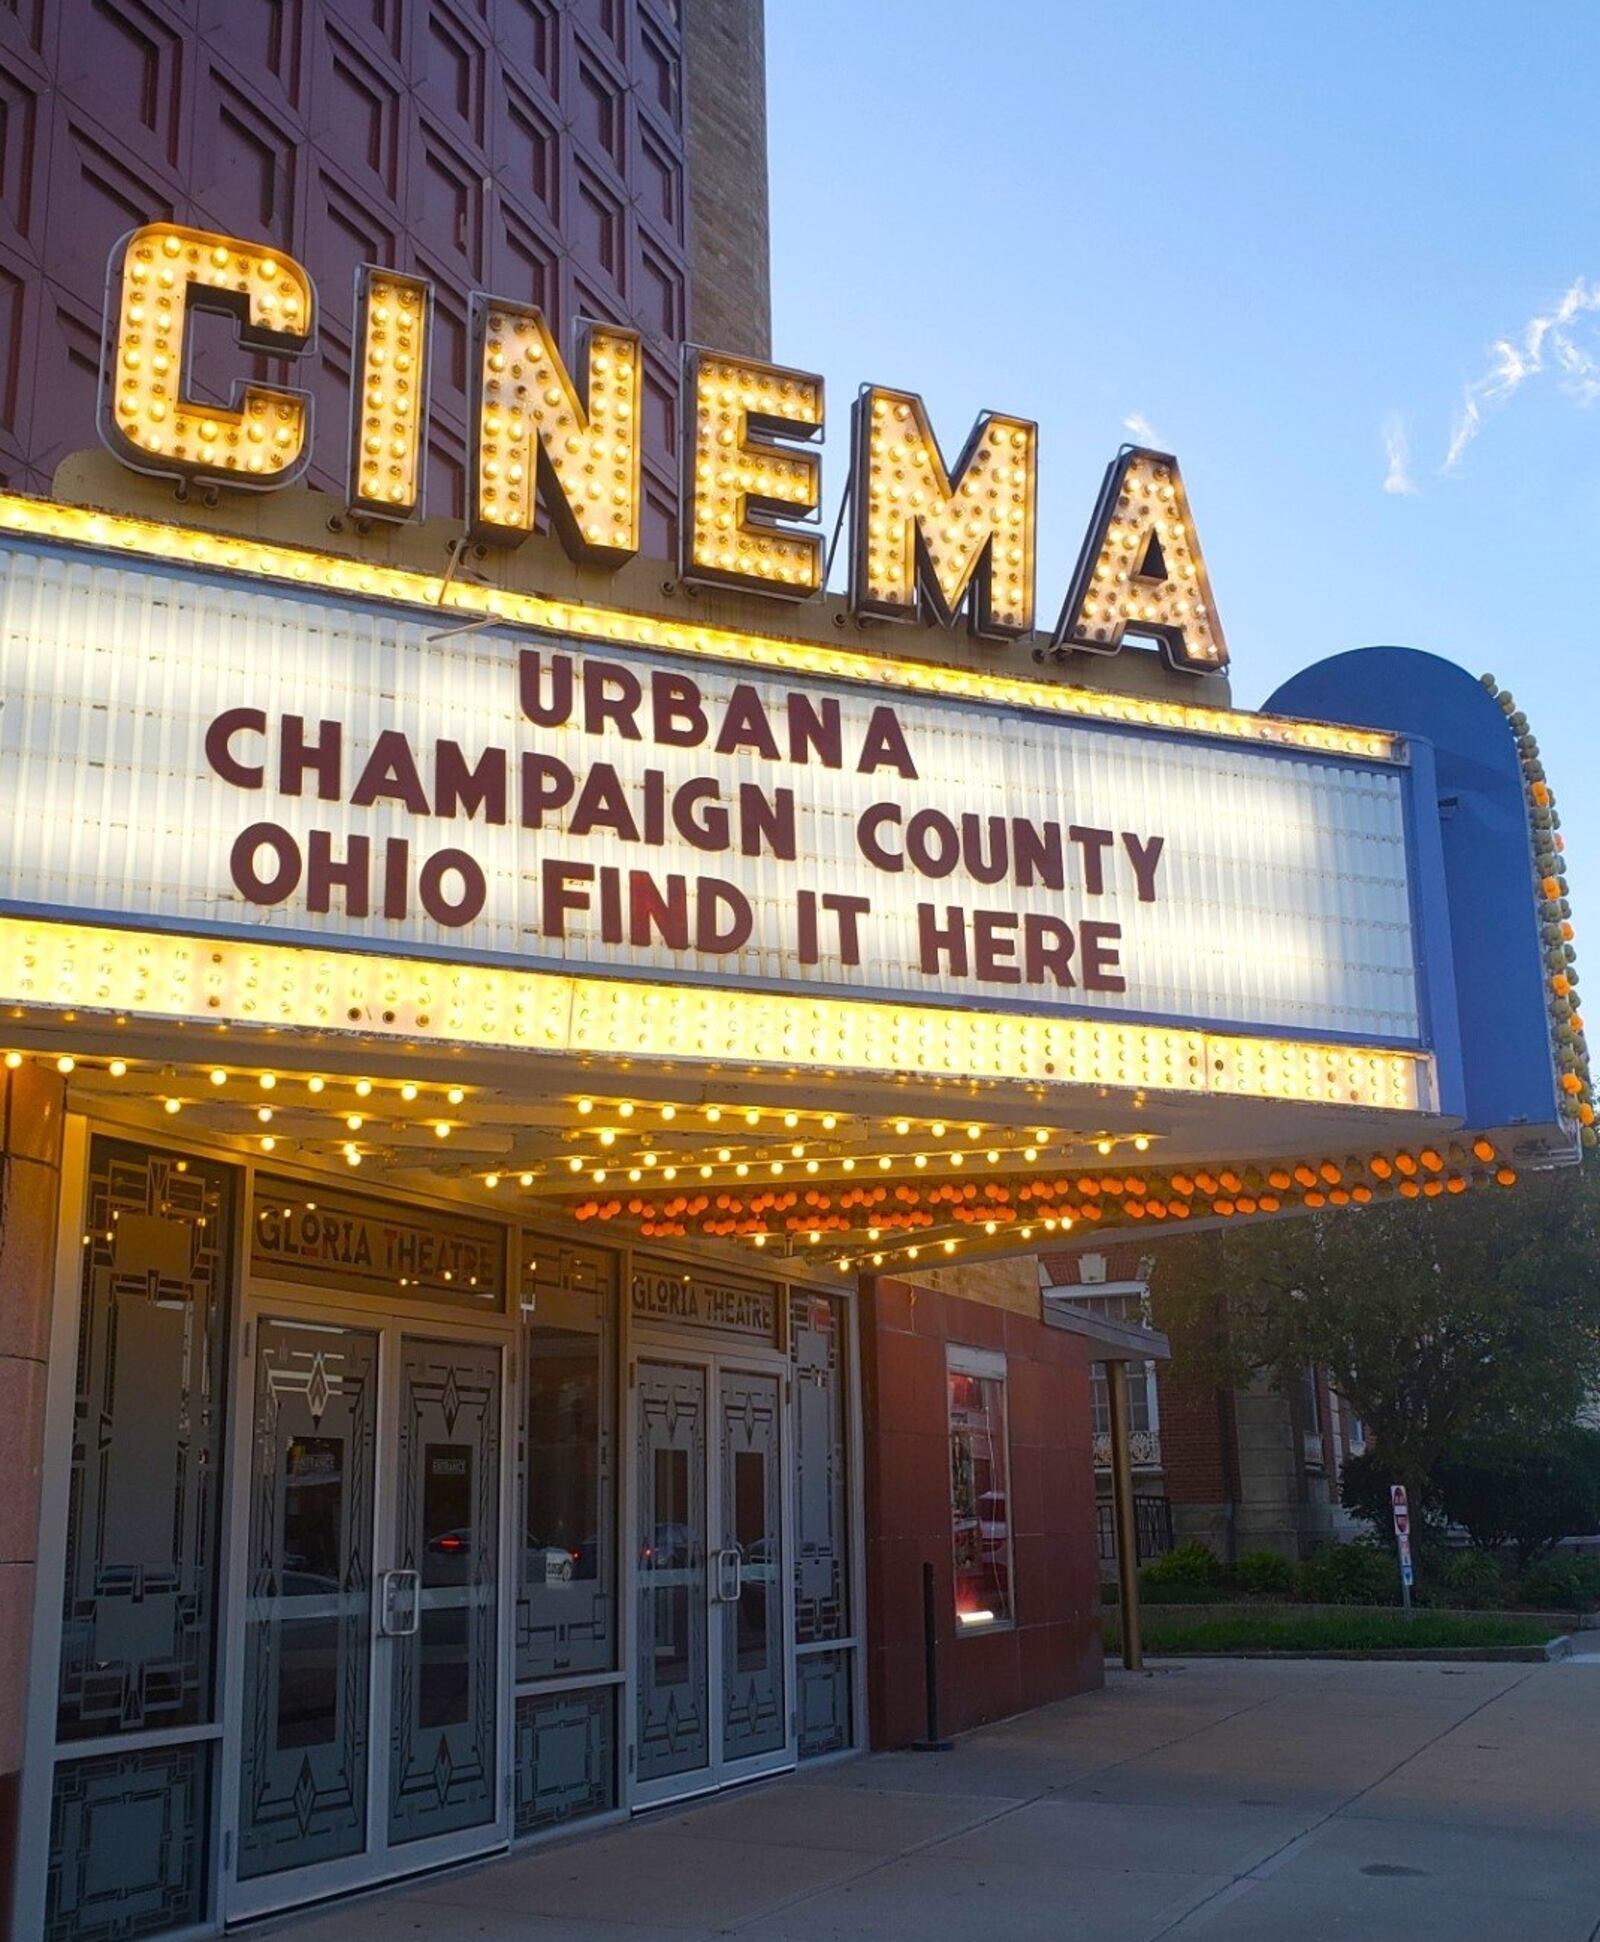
[1053,1649]
[1194,1455]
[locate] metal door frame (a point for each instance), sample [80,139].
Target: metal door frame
[648,1346]
[378,1862]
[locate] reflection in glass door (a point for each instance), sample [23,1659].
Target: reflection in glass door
[753,1579]
[308,1609]
[713,1616]
[370,1722]
[674,1717]
[441,1606]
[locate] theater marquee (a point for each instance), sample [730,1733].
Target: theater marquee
[212,755]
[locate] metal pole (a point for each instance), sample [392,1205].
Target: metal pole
[1122,1515]
[930,1665]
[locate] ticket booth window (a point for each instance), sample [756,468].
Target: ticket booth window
[980,1492]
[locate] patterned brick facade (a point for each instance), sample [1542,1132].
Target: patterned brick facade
[532,148]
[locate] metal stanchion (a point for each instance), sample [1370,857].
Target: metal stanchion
[930,1667]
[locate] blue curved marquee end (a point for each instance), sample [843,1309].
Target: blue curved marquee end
[1476,906]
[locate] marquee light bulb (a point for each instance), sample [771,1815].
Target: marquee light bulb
[531,424]
[167,270]
[1141,570]
[218,1076]
[117,1068]
[64,1065]
[742,475]
[13,1060]
[408,1092]
[921,535]
[389,393]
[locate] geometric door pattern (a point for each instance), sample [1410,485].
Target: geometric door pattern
[444,1691]
[308,1599]
[138,1632]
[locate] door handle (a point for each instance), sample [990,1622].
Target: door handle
[400,1604]
[727,1561]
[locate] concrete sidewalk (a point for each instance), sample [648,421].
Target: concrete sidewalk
[1237,1801]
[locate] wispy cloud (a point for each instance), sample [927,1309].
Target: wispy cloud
[1550,342]
[1397,454]
[1140,427]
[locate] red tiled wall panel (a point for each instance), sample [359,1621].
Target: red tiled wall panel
[526,147]
[1054,1647]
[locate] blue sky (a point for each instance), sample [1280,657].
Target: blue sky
[1285,238]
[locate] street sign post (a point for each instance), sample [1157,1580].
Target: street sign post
[1401,1510]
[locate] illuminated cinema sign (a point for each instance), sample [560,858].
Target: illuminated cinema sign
[224,755]
[927,540]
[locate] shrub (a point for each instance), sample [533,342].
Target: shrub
[1564,1582]
[1470,1580]
[1185,1564]
[1351,1574]
[1265,1574]
[1522,1490]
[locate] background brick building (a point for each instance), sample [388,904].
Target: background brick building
[1238,1469]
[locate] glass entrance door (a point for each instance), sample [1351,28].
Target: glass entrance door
[369,1738]
[714,1631]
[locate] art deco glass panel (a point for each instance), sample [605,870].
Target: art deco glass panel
[308,1598]
[754,1715]
[139,1594]
[823,1692]
[822,1516]
[444,1691]
[674,1722]
[129,1833]
[566,1603]
[566,1757]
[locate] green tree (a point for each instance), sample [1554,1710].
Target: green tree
[1529,1491]
[1440,1320]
